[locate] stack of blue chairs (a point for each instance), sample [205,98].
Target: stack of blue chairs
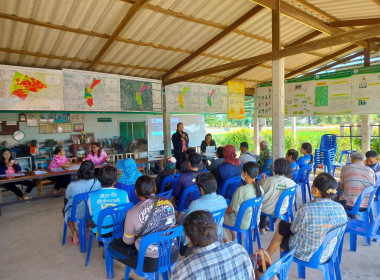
[326,153]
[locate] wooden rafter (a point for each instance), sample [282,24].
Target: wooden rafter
[315,9]
[248,68]
[377,2]
[88,61]
[339,39]
[342,60]
[302,17]
[215,39]
[319,61]
[355,22]
[131,12]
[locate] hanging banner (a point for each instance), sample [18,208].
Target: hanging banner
[236,101]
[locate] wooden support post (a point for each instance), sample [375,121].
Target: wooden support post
[278,93]
[166,128]
[294,127]
[366,137]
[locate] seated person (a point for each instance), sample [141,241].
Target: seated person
[187,179]
[9,165]
[312,222]
[246,192]
[152,214]
[130,173]
[228,169]
[86,183]
[273,187]
[245,154]
[354,178]
[185,165]
[207,258]
[292,156]
[217,161]
[207,142]
[59,161]
[265,155]
[372,162]
[168,170]
[107,196]
[97,155]
[306,150]
[209,200]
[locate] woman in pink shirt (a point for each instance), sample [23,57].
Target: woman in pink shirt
[8,165]
[97,155]
[59,161]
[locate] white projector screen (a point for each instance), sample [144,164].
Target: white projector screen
[193,126]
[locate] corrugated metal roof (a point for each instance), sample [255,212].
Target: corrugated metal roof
[69,34]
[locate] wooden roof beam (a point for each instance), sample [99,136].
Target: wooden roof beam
[319,61]
[342,60]
[131,13]
[304,18]
[355,22]
[339,39]
[214,40]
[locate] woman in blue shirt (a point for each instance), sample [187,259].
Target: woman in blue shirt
[306,150]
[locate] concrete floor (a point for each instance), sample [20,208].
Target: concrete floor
[30,246]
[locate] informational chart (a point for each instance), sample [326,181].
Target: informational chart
[299,96]
[236,100]
[366,90]
[90,91]
[136,95]
[23,88]
[264,100]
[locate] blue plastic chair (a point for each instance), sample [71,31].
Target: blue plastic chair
[343,153]
[367,229]
[365,215]
[332,264]
[288,216]
[280,268]
[167,194]
[193,192]
[376,201]
[81,222]
[204,170]
[130,189]
[118,214]
[303,180]
[324,157]
[268,168]
[255,204]
[218,215]
[173,179]
[230,186]
[164,241]
[329,142]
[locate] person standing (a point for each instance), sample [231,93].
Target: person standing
[180,141]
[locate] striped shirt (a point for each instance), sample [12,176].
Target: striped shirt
[312,222]
[355,178]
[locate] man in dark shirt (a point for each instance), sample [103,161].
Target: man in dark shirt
[185,165]
[187,179]
[168,170]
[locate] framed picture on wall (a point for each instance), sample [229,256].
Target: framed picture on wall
[63,128]
[22,117]
[31,120]
[77,117]
[62,118]
[47,128]
[78,127]
[91,136]
[46,118]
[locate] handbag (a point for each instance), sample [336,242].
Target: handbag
[145,225]
[262,262]
[65,201]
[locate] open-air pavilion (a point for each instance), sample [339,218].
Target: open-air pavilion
[200,41]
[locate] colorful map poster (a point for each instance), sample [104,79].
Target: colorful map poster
[23,88]
[196,98]
[333,93]
[366,90]
[90,91]
[136,95]
[236,100]
[299,96]
[264,100]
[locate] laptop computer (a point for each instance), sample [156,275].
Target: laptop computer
[210,152]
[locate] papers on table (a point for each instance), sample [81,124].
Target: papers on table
[13,175]
[40,172]
[73,167]
[56,169]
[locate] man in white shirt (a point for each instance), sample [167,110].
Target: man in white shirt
[245,154]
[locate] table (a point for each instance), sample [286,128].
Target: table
[159,159]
